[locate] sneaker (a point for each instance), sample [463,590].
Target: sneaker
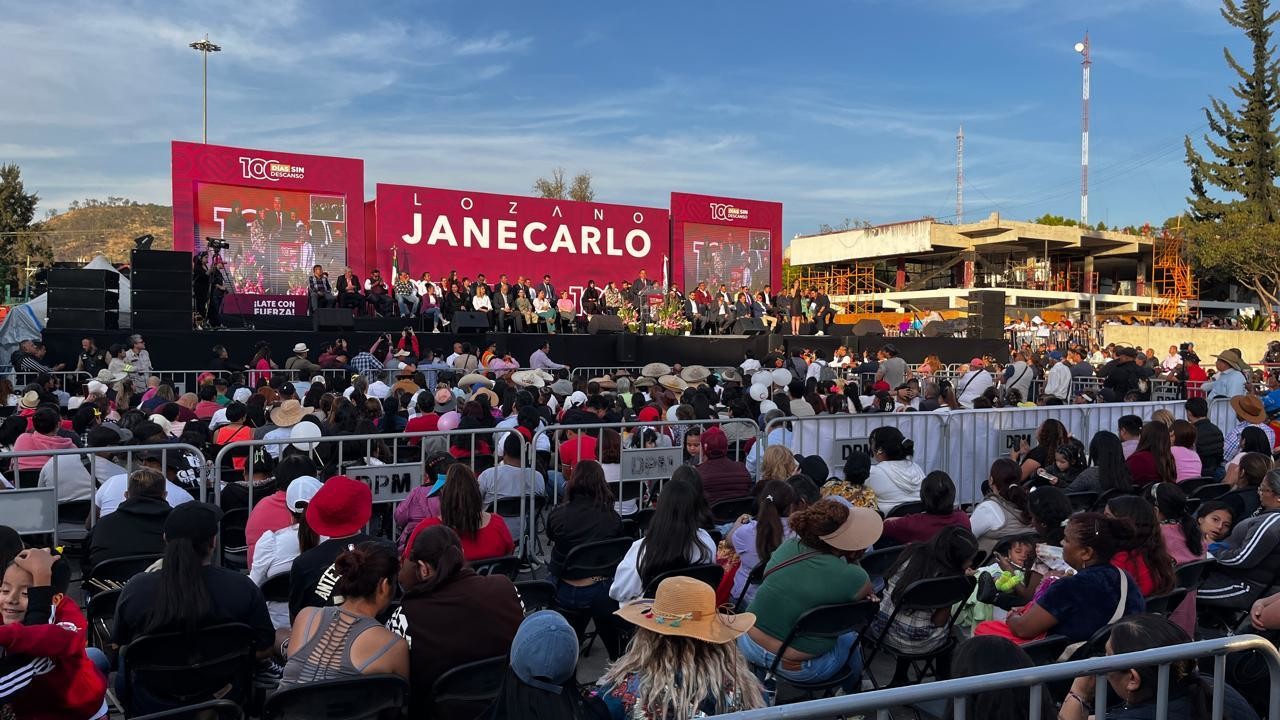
[819,333]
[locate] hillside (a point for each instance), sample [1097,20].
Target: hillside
[77,235]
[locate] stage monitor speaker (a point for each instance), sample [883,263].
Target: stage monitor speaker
[80,319]
[605,325]
[866,327]
[333,318]
[84,279]
[937,328]
[161,280]
[628,348]
[161,300]
[161,319]
[470,322]
[748,326]
[164,260]
[83,299]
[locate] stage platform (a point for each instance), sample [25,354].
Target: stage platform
[190,349]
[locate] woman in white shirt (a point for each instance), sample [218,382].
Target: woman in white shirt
[675,538]
[543,308]
[895,477]
[276,550]
[1004,513]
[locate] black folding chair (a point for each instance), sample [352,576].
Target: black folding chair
[1046,650]
[1190,485]
[508,565]
[727,511]
[877,562]
[709,573]
[1191,575]
[589,560]
[276,588]
[1211,491]
[116,570]
[822,622]
[179,669]
[100,612]
[235,548]
[928,595]
[536,595]
[642,518]
[755,577]
[467,690]
[1167,602]
[365,697]
[906,508]
[212,710]
[1082,501]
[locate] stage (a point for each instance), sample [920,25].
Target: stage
[190,349]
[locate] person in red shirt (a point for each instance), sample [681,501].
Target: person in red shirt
[426,420]
[577,446]
[938,495]
[71,687]
[271,513]
[484,535]
[1146,559]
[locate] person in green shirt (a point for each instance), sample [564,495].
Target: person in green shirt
[816,567]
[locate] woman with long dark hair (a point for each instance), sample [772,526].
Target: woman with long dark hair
[1182,539]
[990,654]
[326,641]
[755,540]
[450,614]
[1190,695]
[675,539]
[1145,558]
[1003,513]
[484,535]
[587,516]
[1152,462]
[1049,436]
[1107,469]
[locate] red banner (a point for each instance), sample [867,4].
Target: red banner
[288,305]
[729,241]
[472,232]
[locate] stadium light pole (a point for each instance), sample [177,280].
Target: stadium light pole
[205,47]
[1086,64]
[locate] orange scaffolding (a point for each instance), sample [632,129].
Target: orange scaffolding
[1172,281]
[857,281]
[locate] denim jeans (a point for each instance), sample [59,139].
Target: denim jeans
[593,600]
[406,303]
[814,669]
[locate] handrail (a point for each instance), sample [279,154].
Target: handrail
[881,701]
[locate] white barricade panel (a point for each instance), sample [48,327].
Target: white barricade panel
[1106,416]
[833,437]
[651,463]
[389,483]
[30,512]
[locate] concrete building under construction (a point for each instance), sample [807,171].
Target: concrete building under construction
[931,265]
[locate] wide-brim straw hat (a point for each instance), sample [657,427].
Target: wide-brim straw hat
[527,378]
[546,376]
[673,383]
[645,382]
[655,370]
[107,377]
[289,413]
[493,396]
[685,607]
[731,375]
[695,374]
[30,400]
[605,382]
[474,379]
[1249,408]
[1232,358]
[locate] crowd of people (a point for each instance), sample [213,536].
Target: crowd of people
[1072,536]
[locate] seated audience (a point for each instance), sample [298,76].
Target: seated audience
[272,512]
[1152,461]
[541,681]
[1107,469]
[1248,559]
[755,539]
[938,494]
[722,477]
[894,478]
[137,525]
[484,534]
[1185,458]
[1245,478]
[1182,539]
[1145,558]
[990,654]
[1003,514]
[674,540]
[338,511]
[277,549]
[857,468]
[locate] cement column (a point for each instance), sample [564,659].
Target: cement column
[1088,274]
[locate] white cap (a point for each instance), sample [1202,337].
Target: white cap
[577,398]
[163,422]
[75,403]
[97,388]
[242,395]
[301,490]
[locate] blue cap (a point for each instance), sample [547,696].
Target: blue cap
[544,653]
[1054,355]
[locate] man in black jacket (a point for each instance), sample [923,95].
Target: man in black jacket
[1209,438]
[137,525]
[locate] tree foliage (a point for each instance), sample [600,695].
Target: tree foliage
[557,188]
[17,210]
[1240,245]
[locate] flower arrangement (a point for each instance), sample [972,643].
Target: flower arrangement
[668,318]
[630,317]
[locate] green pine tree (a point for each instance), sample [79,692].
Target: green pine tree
[1244,139]
[17,210]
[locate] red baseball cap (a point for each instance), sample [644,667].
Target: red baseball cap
[341,508]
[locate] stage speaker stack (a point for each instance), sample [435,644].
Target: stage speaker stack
[604,325]
[84,299]
[333,318]
[470,322]
[748,326]
[986,314]
[161,289]
[867,327]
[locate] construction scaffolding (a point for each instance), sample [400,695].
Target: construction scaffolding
[857,282]
[1172,282]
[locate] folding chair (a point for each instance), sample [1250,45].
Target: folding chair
[727,511]
[1046,650]
[1191,575]
[235,548]
[594,559]
[1211,491]
[906,508]
[467,690]
[508,565]
[710,573]
[928,595]
[212,710]
[536,595]
[1082,501]
[877,562]
[179,669]
[365,697]
[822,622]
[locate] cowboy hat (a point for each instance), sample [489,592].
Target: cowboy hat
[107,377]
[546,376]
[673,383]
[655,370]
[493,396]
[685,607]
[474,379]
[301,348]
[1249,408]
[731,375]
[1232,358]
[445,401]
[289,413]
[695,374]
[562,387]
[644,382]
[30,400]
[605,383]
[527,378]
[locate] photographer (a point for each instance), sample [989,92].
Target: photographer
[217,290]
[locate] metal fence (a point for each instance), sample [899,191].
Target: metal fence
[960,690]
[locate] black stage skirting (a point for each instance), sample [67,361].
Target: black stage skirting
[190,349]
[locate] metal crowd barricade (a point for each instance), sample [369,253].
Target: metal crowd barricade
[959,690]
[56,469]
[834,437]
[189,380]
[547,440]
[69,380]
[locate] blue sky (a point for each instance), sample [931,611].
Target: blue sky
[837,109]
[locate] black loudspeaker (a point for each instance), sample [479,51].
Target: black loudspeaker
[80,319]
[867,327]
[84,279]
[333,318]
[748,326]
[83,299]
[161,319]
[165,260]
[469,322]
[605,325]
[160,300]
[627,348]
[161,280]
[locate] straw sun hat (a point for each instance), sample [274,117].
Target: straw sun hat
[685,607]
